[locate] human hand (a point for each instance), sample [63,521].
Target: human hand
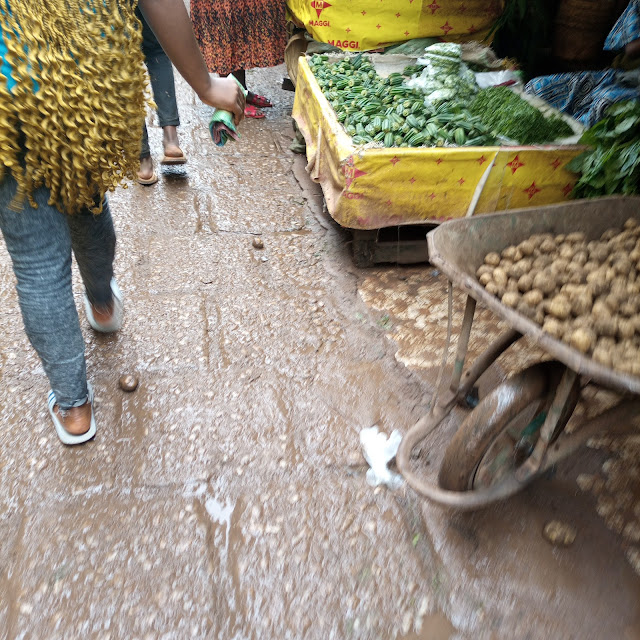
[225,94]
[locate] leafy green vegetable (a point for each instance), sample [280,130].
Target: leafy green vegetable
[513,117]
[612,165]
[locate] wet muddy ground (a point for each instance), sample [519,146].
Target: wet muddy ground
[226,497]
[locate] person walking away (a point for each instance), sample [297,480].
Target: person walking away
[164,94]
[236,35]
[72,88]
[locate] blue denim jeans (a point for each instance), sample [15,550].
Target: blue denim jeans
[40,242]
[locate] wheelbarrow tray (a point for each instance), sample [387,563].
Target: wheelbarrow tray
[458,248]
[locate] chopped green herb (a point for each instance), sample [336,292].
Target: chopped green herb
[513,117]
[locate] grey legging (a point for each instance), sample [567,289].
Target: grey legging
[39,242]
[162,83]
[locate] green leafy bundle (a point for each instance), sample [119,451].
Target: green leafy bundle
[612,165]
[513,117]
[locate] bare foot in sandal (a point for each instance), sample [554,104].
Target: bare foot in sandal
[103,315]
[253,112]
[146,174]
[173,154]
[75,421]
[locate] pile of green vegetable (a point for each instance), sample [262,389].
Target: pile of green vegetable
[384,110]
[612,165]
[516,119]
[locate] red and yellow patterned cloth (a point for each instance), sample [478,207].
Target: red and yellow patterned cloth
[240,34]
[358,25]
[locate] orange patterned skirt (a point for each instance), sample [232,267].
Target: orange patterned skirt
[240,34]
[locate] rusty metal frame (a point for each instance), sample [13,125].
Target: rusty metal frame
[441,406]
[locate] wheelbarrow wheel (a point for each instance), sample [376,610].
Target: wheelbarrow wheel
[498,436]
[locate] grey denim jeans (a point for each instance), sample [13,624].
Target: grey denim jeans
[162,82]
[40,242]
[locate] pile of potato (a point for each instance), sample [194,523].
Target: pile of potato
[585,293]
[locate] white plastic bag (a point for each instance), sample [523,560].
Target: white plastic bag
[378,452]
[498,78]
[444,77]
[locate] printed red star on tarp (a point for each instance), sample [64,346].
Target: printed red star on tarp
[556,163]
[446,27]
[532,190]
[567,190]
[394,161]
[515,164]
[434,6]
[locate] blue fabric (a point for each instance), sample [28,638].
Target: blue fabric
[586,95]
[5,68]
[626,29]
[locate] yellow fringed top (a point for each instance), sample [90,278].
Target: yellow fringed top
[72,119]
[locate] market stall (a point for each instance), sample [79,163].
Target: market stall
[369,187]
[373,178]
[388,155]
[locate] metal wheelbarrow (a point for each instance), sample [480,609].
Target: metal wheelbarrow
[516,432]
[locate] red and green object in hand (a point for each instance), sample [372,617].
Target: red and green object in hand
[222,126]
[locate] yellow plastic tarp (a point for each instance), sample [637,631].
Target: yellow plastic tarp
[376,188]
[357,25]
